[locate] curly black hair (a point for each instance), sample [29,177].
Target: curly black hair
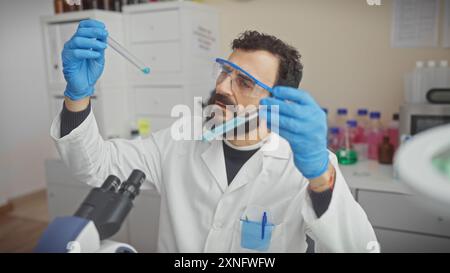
[290,71]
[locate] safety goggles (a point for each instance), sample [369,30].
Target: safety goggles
[241,81]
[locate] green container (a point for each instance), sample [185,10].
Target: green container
[347,156]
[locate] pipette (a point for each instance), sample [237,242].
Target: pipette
[127,55]
[233,123]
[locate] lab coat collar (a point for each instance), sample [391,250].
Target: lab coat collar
[277,147]
[214,159]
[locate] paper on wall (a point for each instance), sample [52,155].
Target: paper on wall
[415,23]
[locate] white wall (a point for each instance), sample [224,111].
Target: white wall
[345,46]
[24,115]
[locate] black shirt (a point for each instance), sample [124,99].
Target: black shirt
[234,160]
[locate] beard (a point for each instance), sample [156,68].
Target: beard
[221,100]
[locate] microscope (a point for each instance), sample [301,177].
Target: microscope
[98,218]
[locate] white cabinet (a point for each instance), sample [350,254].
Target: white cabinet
[179,41]
[398,212]
[400,224]
[144,222]
[154,25]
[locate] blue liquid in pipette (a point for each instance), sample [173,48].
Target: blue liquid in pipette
[146,70]
[223,128]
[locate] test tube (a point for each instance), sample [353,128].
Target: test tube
[127,55]
[233,123]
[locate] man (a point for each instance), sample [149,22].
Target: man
[233,195]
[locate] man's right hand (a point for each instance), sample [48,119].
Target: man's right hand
[83,59]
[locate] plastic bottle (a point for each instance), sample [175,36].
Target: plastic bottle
[346,154]
[334,140]
[363,121]
[418,83]
[374,135]
[431,79]
[341,118]
[360,143]
[393,131]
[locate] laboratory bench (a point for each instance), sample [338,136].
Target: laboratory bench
[400,222]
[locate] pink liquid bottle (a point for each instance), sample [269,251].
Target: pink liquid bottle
[392,131]
[374,136]
[363,122]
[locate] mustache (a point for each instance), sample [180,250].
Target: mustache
[219,98]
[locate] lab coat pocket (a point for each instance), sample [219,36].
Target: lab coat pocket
[256,235]
[251,236]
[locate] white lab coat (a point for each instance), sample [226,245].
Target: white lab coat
[200,212]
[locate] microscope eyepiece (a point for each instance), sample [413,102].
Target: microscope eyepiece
[112,183]
[132,185]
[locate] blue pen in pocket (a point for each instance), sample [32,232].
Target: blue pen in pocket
[256,235]
[263,224]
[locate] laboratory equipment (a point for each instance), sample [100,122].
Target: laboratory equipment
[419,164]
[98,218]
[362,119]
[374,135]
[341,118]
[241,81]
[334,140]
[346,154]
[425,77]
[222,129]
[392,131]
[385,151]
[360,143]
[439,96]
[416,118]
[128,56]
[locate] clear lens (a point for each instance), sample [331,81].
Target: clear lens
[240,83]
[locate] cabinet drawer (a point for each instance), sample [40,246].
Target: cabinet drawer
[144,223]
[161,57]
[57,173]
[403,242]
[64,200]
[157,101]
[155,26]
[397,211]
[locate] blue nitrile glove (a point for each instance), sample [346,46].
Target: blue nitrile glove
[303,123]
[83,59]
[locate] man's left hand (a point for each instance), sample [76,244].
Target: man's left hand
[303,123]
